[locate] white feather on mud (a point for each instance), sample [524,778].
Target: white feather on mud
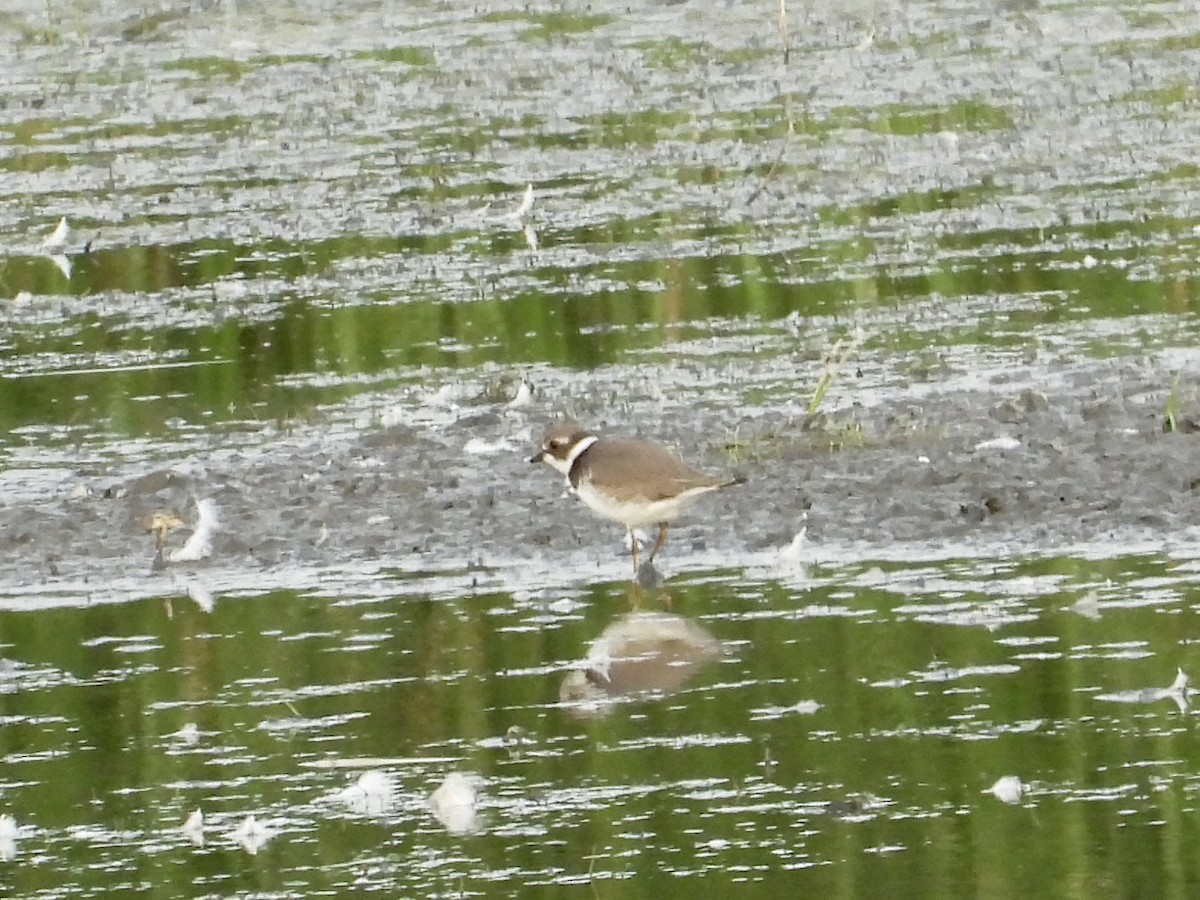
[523,397]
[54,247]
[1004,442]
[521,213]
[791,555]
[482,447]
[57,239]
[199,545]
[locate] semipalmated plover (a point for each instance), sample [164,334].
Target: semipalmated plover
[632,482]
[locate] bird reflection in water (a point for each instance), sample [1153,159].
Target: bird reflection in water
[640,654]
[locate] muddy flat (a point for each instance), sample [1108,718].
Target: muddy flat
[290,293]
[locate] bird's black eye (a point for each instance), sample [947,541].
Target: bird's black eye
[555,443]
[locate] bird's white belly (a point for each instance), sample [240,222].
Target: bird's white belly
[636,514]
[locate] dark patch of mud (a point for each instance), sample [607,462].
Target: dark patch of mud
[1005,468]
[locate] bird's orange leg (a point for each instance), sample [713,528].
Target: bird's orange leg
[662,539]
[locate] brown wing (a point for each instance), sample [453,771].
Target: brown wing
[634,468]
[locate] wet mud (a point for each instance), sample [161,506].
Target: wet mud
[277,298]
[1026,463]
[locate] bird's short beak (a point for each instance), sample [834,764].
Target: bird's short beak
[538,457]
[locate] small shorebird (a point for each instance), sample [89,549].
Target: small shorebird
[632,482]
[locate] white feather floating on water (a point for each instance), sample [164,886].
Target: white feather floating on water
[9,832]
[54,245]
[801,708]
[1087,606]
[202,596]
[1178,693]
[63,262]
[455,803]
[1008,789]
[193,827]
[373,793]
[189,734]
[251,835]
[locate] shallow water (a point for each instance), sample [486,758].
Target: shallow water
[845,729]
[929,282]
